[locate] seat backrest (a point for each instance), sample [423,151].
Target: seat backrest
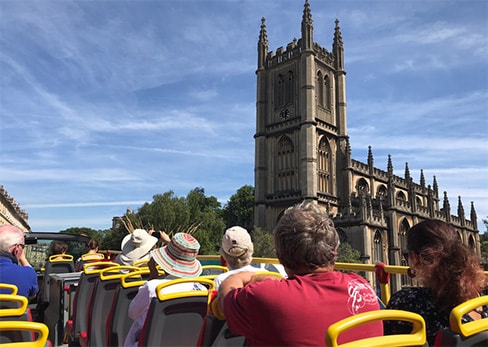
[100,302]
[118,322]
[175,319]
[83,294]
[7,288]
[470,334]
[225,338]
[14,308]
[54,265]
[37,331]
[416,338]
[213,270]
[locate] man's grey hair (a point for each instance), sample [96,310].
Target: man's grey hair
[240,260]
[9,236]
[305,238]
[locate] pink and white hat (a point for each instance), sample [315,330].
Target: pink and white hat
[179,257]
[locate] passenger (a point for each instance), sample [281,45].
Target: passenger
[297,311]
[59,247]
[92,248]
[449,272]
[14,267]
[178,259]
[135,246]
[236,250]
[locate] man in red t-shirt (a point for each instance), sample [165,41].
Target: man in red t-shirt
[297,311]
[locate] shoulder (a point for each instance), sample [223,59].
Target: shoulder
[412,297]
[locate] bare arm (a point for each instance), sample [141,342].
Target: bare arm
[239,280]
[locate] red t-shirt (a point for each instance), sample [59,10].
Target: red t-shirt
[297,311]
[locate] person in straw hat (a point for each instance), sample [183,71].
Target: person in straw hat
[236,249]
[135,246]
[178,259]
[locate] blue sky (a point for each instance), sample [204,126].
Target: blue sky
[105,103]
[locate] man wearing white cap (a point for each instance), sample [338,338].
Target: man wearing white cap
[236,249]
[178,259]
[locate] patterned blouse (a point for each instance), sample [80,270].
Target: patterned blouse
[420,300]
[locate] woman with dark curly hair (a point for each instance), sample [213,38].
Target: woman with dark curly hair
[449,272]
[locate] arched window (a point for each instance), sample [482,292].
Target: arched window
[285,164]
[327,93]
[362,186]
[324,166]
[280,92]
[381,192]
[418,201]
[378,246]
[290,89]
[320,89]
[401,196]
[342,236]
[471,243]
[402,237]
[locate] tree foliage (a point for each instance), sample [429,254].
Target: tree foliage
[347,254]
[239,209]
[263,243]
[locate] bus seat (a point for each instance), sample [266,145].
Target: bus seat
[14,308]
[469,334]
[226,338]
[214,330]
[6,288]
[54,265]
[213,270]
[100,302]
[76,327]
[416,338]
[118,322]
[175,319]
[37,331]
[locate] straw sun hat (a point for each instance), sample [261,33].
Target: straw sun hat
[179,257]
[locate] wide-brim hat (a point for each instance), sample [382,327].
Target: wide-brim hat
[179,257]
[137,244]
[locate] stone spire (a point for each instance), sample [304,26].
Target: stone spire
[370,160]
[422,178]
[460,211]
[435,187]
[446,208]
[307,27]
[338,47]
[474,217]
[262,44]
[407,173]
[390,166]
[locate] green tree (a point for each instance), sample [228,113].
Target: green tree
[484,245]
[347,254]
[263,243]
[240,208]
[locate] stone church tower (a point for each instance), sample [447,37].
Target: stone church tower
[302,152]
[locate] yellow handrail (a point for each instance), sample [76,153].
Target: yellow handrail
[40,329]
[416,338]
[469,328]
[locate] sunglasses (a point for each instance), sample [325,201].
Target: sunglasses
[20,244]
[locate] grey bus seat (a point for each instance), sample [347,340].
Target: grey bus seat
[226,338]
[36,333]
[176,319]
[14,308]
[118,322]
[100,302]
[52,266]
[470,334]
[76,327]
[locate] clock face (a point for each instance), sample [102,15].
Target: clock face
[284,113]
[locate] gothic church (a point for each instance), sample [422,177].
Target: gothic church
[303,153]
